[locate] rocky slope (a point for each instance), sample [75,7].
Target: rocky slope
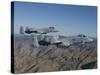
[51,58]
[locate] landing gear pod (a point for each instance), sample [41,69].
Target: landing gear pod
[35,41]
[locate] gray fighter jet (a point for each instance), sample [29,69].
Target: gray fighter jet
[69,40]
[40,36]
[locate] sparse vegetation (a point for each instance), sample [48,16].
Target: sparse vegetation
[52,58]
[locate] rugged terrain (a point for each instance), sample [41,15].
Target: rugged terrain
[52,58]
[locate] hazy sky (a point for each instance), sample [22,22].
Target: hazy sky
[68,19]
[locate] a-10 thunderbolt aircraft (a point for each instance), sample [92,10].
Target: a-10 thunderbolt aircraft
[40,37]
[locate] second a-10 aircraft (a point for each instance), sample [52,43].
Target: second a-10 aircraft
[40,37]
